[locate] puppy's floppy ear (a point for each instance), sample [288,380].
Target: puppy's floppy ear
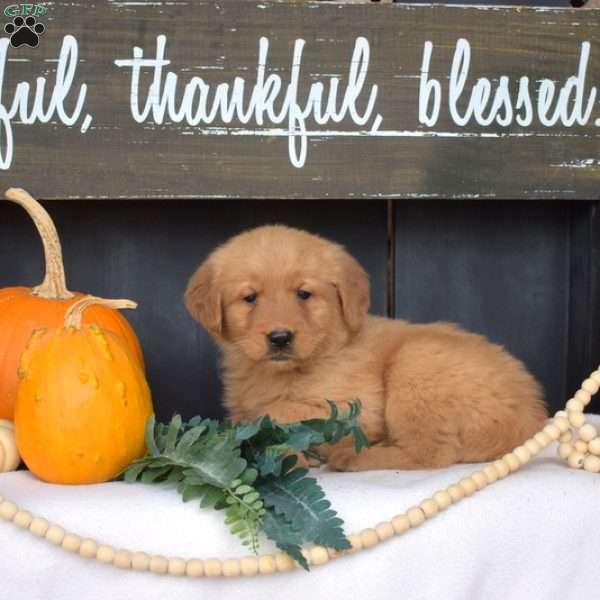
[203,298]
[352,283]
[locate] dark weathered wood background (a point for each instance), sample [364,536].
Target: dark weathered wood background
[119,158]
[524,273]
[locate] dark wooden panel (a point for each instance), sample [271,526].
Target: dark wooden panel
[142,251]
[501,269]
[584,306]
[163,156]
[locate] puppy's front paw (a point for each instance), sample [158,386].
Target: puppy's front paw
[344,459]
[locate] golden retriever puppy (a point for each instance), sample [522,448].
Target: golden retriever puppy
[288,310]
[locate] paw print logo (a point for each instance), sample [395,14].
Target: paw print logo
[24,31]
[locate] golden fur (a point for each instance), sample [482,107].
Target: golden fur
[432,395]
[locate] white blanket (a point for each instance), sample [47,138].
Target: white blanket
[532,536]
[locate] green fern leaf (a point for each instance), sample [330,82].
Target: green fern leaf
[302,502]
[285,537]
[244,514]
[246,470]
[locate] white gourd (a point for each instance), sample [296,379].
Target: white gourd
[9,454]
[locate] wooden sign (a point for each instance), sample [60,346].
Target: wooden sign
[205,99]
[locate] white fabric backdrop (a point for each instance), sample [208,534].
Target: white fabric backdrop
[532,536]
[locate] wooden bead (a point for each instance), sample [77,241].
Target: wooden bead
[415,516]
[105,554]
[576,459]
[587,432]
[501,468]
[355,541]
[176,566]
[491,473]
[88,548]
[429,507]
[384,530]
[594,446]
[564,450]
[71,542]
[567,436]
[122,559]
[595,376]
[552,431]
[400,523]
[523,455]
[22,519]
[333,553]
[442,499]
[480,479]
[456,492]
[159,564]
[319,556]
[369,538]
[542,438]
[468,485]
[231,567]
[581,446]
[39,526]
[140,561]
[583,397]
[8,510]
[590,385]
[575,405]
[283,562]
[194,567]
[562,423]
[55,535]
[591,463]
[576,419]
[266,564]
[249,565]
[533,447]
[511,461]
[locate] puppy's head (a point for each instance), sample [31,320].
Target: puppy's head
[279,295]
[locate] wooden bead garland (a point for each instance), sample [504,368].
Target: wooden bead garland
[587,457]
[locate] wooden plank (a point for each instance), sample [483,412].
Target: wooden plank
[583,350]
[387,62]
[496,268]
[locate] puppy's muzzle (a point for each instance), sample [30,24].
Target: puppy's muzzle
[280,341]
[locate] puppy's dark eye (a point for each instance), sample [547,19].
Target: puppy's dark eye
[304,295]
[250,298]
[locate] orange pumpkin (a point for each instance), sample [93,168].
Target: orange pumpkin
[82,401]
[24,309]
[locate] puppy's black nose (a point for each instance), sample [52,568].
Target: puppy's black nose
[280,339]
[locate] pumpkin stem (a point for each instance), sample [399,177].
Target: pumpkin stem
[54,286]
[74,315]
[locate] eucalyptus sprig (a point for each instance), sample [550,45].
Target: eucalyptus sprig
[250,471]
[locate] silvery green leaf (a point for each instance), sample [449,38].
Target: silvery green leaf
[172,433]
[150,443]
